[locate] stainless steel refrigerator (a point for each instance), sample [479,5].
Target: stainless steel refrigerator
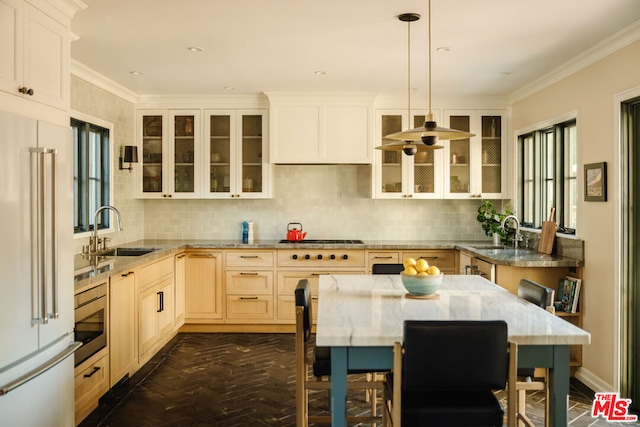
[36,273]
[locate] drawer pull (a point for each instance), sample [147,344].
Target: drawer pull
[127,274]
[382,257]
[248,274]
[249,256]
[180,256]
[245,298]
[314,298]
[95,369]
[201,255]
[428,257]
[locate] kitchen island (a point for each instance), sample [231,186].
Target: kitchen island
[361,317]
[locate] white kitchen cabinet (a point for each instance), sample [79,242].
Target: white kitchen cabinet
[34,53]
[314,130]
[234,160]
[170,153]
[397,175]
[473,166]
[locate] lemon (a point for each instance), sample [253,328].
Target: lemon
[422,273]
[422,265]
[409,262]
[410,271]
[433,270]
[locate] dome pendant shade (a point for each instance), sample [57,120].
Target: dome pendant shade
[407,147]
[428,132]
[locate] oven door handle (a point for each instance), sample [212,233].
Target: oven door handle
[90,308]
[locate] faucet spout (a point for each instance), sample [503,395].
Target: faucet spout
[518,237]
[93,244]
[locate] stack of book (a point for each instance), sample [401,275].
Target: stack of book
[568,294]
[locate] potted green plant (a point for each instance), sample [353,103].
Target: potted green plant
[490,219]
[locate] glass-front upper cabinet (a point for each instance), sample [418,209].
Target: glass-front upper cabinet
[170,152]
[474,165]
[401,176]
[234,146]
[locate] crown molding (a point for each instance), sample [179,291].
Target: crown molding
[82,71]
[606,47]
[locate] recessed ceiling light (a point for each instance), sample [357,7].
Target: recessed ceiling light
[506,73]
[136,73]
[443,49]
[320,73]
[195,49]
[229,88]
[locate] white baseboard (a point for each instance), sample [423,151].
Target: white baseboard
[592,381]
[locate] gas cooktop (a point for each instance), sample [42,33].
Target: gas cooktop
[325,241]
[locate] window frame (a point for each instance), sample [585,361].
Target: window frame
[549,182]
[82,117]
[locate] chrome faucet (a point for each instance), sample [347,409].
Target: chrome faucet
[518,237]
[94,241]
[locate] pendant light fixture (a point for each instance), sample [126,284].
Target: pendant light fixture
[430,133]
[408,147]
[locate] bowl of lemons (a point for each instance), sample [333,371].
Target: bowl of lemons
[419,278]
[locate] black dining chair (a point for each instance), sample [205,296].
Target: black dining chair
[445,374]
[320,365]
[543,297]
[387,268]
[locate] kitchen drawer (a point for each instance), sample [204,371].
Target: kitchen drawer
[287,308]
[154,271]
[383,258]
[288,280]
[90,385]
[250,282]
[249,259]
[249,308]
[444,259]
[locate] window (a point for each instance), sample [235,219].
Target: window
[548,175]
[91,174]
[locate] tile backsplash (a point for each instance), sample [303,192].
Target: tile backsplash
[331,201]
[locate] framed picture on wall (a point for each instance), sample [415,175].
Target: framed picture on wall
[595,182]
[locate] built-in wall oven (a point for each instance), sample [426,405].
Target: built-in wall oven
[90,322]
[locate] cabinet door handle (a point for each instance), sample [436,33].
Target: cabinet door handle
[95,369]
[161,301]
[25,90]
[201,255]
[248,274]
[245,298]
[181,256]
[127,274]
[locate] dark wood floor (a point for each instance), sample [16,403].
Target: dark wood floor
[240,380]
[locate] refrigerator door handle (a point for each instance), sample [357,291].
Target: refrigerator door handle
[54,237]
[40,369]
[44,256]
[39,306]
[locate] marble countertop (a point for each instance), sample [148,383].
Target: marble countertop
[369,310]
[92,270]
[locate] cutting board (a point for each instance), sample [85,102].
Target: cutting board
[548,234]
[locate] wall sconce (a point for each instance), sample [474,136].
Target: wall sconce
[128,154]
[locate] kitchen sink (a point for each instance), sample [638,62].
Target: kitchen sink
[489,246]
[128,251]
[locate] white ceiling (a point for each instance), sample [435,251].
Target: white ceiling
[497,46]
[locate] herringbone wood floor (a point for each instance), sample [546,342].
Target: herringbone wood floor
[239,380]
